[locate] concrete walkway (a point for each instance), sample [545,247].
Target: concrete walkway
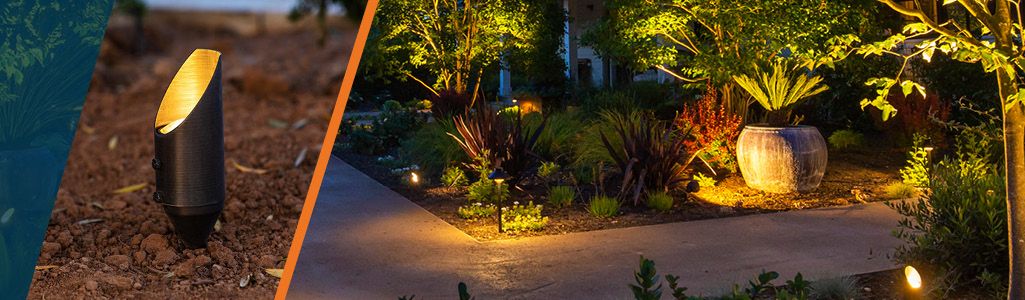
[368,242]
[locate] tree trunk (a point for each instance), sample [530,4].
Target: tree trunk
[1014,159]
[322,23]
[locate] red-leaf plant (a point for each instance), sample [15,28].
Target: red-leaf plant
[714,130]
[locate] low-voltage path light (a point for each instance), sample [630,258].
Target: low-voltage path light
[188,138]
[499,176]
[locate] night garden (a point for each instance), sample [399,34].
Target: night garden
[522,118]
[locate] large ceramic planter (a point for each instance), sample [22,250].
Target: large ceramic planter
[782,159]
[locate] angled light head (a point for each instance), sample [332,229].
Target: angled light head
[186,89]
[188,138]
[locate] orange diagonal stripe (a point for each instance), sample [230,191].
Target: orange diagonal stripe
[325,152]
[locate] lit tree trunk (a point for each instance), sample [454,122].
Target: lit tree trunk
[1014,152]
[1014,159]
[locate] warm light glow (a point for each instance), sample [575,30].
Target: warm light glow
[529,106]
[415,179]
[914,279]
[499,180]
[186,89]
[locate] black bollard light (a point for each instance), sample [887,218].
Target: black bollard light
[189,148]
[499,176]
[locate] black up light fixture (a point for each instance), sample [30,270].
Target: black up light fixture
[188,138]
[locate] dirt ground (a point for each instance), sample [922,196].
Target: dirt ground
[279,89]
[852,177]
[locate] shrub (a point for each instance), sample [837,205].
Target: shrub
[660,201]
[959,231]
[603,206]
[839,288]
[607,100]
[486,191]
[391,106]
[651,155]
[365,142]
[917,115]
[714,129]
[548,171]
[431,148]
[422,104]
[556,141]
[846,138]
[588,148]
[448,103]
[394,126]
[520,218]
[476,210]
[900,190]
[916,173]
[642,95]
[486,137]
[704,181]
[453,177]
[561,196]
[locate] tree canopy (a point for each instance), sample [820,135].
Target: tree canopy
[452,40]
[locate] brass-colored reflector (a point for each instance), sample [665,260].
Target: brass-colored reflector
[186,89]
[188,148]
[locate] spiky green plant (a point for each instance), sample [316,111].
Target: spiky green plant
[651,154]
[779,90]
[660,201]
[561,196]
[603,206]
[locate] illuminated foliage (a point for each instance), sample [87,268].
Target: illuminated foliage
[453,40]
[989,35]
[780,90]
[715,130]
[719,39]
[519,218]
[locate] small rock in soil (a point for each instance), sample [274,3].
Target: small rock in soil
[139,256]
[119,282]
[120,261]
[154,243]
[115,204]
[136,239]
[152,227]
[91,285]
[51,248]
[267,261]
[165,257]
[186,269]
[202,260]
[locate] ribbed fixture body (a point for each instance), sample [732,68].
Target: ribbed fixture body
[189,149]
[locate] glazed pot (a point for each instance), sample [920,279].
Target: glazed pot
[782,159]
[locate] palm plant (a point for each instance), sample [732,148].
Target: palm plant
[780,90]
[651,155]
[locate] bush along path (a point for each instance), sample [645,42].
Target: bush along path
[366,241]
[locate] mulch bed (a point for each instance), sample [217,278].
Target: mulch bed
[105,244]
[853,177]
